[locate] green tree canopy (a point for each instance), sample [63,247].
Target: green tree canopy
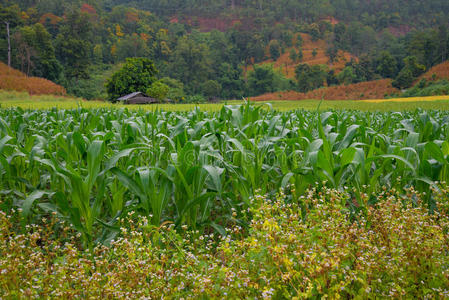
[310,77]
[136,75]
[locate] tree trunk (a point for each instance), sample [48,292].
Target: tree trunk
[9,44]
[28,53]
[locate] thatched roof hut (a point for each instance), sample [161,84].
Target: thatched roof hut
[137,98]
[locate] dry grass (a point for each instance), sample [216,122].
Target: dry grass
[14,80]
[365,90]
[409,99]
[440,71]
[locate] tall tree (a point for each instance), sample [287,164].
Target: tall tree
[9,18]
[190,63]
[136,75]
[73,46]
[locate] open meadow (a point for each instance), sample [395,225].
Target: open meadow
[223,200]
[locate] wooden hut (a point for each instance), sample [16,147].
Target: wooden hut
[137,98]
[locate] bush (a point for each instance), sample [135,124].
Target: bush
[158,90]
[426,88]
[176,89]
[211,89]
[194,99]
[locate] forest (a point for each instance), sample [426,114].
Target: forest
[214,49]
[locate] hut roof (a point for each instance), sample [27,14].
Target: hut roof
[130,96]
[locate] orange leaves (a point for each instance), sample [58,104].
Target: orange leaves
[50,18]
[132,17]
[89,9]
[118,31]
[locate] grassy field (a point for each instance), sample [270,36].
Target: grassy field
[23,100]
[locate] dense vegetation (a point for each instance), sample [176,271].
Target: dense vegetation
[79,44]
[199,169]
[394,249]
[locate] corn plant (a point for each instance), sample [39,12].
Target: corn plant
[201,169]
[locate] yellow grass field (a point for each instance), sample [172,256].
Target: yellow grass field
[411,99]
[25,101]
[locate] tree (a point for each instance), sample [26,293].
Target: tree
[9,18]
[314,31]
[412,64]
[275,49]
[211,89]
[332,53]
[386,65]
[310,77]
[73,46]
[23,39]
[331,78]
[190,63]
[347,76]
[158,90]
[175,89]
[409,73]
[261,80]
[136,75]
[404,79]
[293,55]
[132,46]
[231,81]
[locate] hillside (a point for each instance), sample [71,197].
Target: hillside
[14,80]
[376,89]
[287,66]
[437,72]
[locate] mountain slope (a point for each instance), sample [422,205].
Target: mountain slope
[14,80]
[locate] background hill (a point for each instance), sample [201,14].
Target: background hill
[227,49]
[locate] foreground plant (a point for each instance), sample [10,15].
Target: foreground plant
[92,167]
[395,249]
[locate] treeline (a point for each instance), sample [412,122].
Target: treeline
[376,13]
[81,43]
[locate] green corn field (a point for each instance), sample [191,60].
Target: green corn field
[201,169]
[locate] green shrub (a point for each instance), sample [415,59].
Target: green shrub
[195,99]
[428,88]
[158,90]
